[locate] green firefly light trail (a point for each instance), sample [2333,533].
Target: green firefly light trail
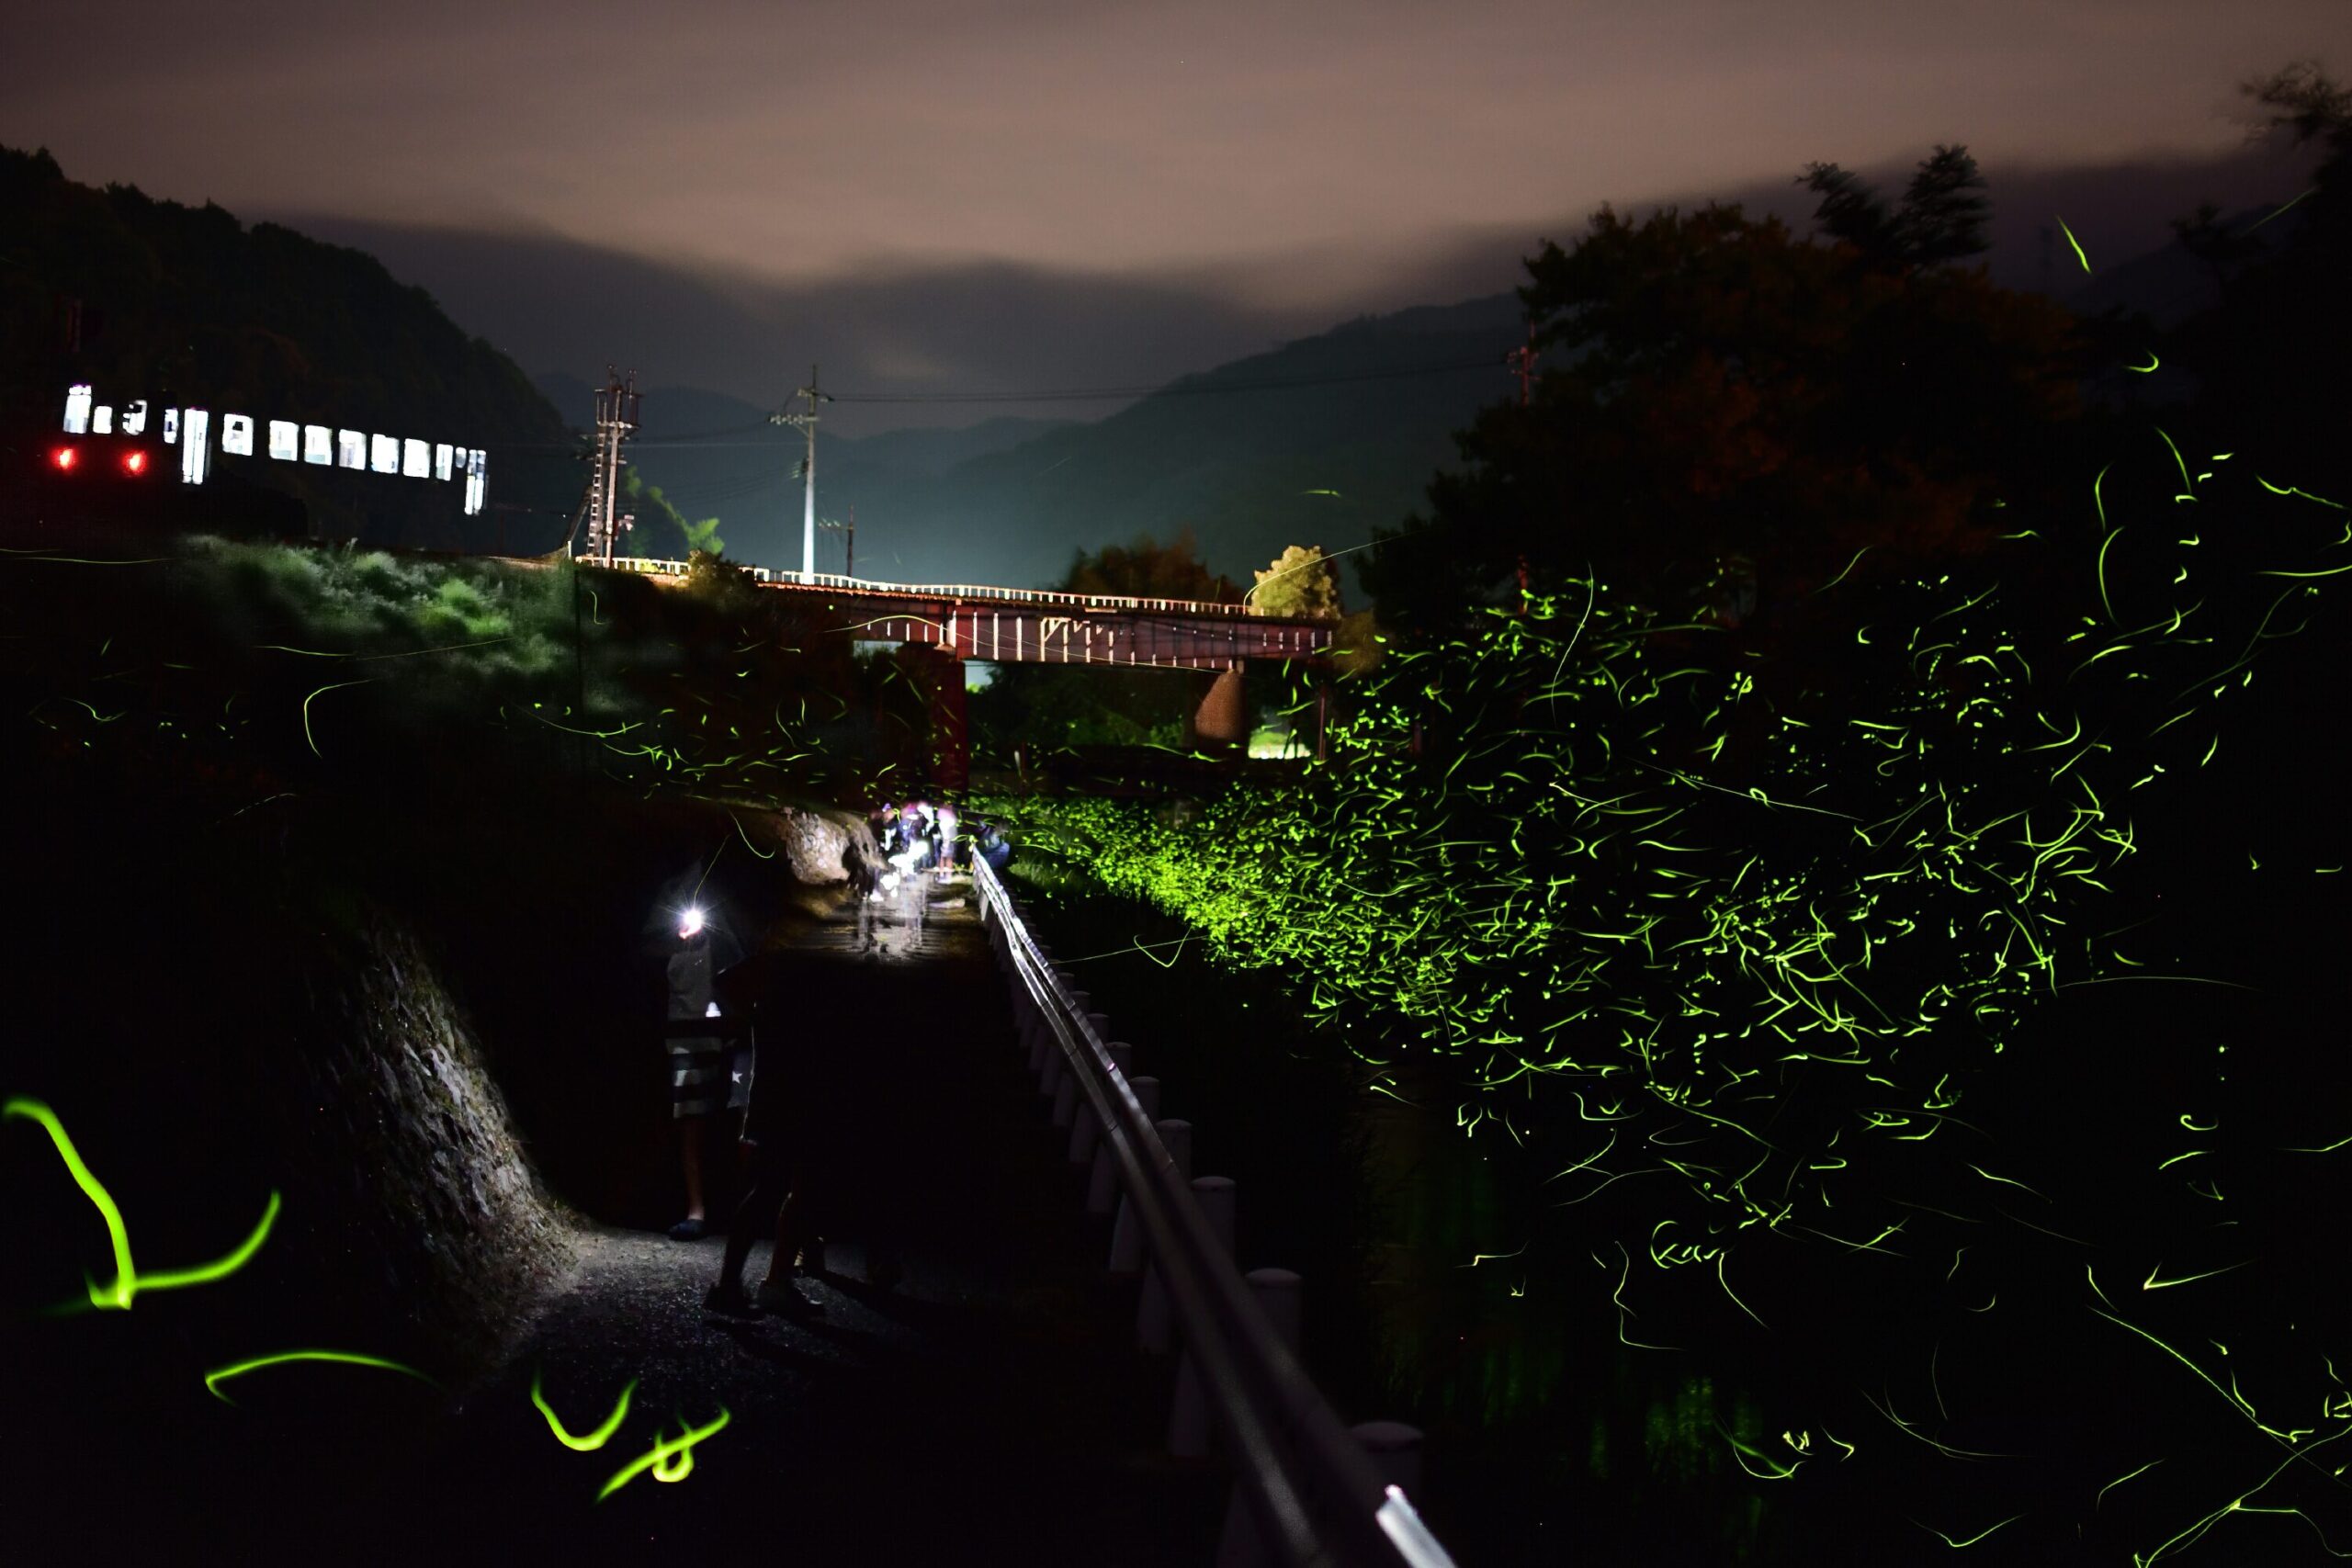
[665,1454]
[127,1283]
[594,1440]
[214,1379]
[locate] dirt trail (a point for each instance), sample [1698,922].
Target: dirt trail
[991,1409]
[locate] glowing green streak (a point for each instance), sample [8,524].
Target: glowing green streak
[127,1282]
[2149,367]
[213,1379]
[2076,244]
[2121,1480]
[2176,458]
[119,1293]
[306,711]
[222,1267]
[2152,1283]
[1972,1539]
[594,1440]
[2266,219]
[747,838]
[661,1453]
[1841,576]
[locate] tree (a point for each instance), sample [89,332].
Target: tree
[652,505]
[1736,417]
[1942,218]
[1300,583]
[2269,357]
[1045,707]
[1145,568]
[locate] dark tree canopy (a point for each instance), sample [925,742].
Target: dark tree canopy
[1147,569]
[1942,216]
[1731,415]
[2269,358]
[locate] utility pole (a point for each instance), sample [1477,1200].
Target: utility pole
[616,415]
[1523,363]
[807,422]
[849,541]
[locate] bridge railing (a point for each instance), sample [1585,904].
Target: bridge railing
[1317,1496]
[657,567]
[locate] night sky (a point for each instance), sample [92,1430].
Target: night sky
[933,195]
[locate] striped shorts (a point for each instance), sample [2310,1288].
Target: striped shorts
[708,1077]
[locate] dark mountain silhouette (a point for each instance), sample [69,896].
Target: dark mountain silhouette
[185,305]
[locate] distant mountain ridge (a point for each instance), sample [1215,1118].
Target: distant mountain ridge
[1317,442]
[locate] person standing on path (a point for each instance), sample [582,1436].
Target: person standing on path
[777,1152]
[706,1080]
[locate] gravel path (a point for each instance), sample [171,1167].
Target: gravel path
[989,1410]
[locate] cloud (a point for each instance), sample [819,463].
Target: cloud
[907,326]
[799,144]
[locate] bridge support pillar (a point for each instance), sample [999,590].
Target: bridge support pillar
[1223,719]
[951,751]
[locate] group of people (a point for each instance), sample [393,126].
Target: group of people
[712,1063]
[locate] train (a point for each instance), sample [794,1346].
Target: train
[81,488]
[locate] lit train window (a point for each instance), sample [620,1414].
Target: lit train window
[416,459]
[102,420]
[134,418]
[171,425]
[477,480]
[441,460]
[196,452]
[285,440]
[77,410]
[237,434]
[318,444]
[350,449]
[385,453]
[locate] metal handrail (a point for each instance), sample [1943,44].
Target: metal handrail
[1317,1492]
[657,567]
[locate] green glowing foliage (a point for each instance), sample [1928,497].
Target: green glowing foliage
[127,1283]
[218,1375]
[1720,944]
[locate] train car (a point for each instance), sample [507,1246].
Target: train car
[77,489]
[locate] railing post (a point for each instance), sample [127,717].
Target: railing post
[1085,1127]
[1126,1231]
[1066,1089]
[1103,1184]
[1188,1414]
[1394,1450]
[1057,1063]
[1278,1291]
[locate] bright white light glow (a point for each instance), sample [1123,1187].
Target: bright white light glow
[384,454]
[237,434]
[102,420]
[417,459]
[441,450]
[285,440]
[711,1010]
[196,452]
[690,922]
[77,410]
[350,449]
[134,418]
[318,444]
